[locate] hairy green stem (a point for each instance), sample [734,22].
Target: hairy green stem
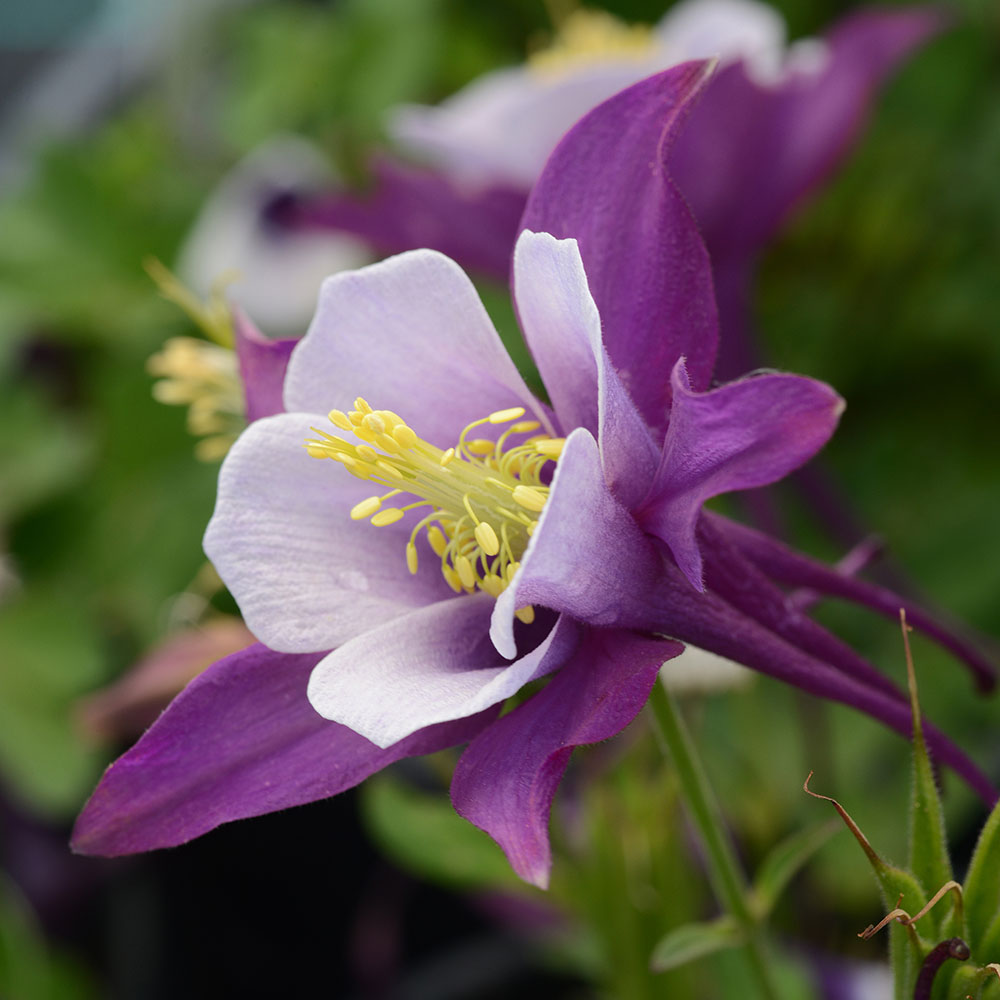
[727,877]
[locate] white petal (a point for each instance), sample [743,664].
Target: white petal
[430,666]
[306,577]
[410,335]
[279,274]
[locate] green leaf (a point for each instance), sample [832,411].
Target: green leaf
[982,886]
[52,655]
[929,859]
[28,969]
[784,861]
[422,833]
[691,941]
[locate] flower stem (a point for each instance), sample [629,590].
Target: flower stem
[725,874]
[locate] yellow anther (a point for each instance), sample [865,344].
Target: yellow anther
[387,444]
[365,508]
[480,446]
[530,528]
[493,585]
[487,538]
[436,540]
[404,436]
[550,447]
[465,571]
[481,497]
[374,423]
[502,416]
[341,420]
[389,470]
[525,614]
[529,498]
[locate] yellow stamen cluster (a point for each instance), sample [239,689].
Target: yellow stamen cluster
[205,378]
[482,497]
[586,37]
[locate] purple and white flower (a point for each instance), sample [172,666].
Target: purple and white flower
[510,539]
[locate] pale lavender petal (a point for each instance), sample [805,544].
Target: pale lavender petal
[305,575]
[506,779]
[262,366]
[430,666]
[241,740]
[745,434]
[587,557]
[606,186]
[750,153]
[502,127]
[563,330]
[408,334]
[796,570]
[408,207]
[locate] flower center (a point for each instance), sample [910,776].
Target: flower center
[586,37]
[481,498]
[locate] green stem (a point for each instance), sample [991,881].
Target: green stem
[727,877]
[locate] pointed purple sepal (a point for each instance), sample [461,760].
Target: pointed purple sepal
[262,366]
[606,186]
[241,740]
[408,207]
[506,779]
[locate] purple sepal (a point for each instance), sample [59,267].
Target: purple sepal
[408,207]
[506,779]
[241,740]
[796,570]
[745,434]
[789,135]
[737,618]
[605,185]
[262,366]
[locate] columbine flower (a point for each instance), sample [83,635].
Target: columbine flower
[508,541]
[275,271]
[777,119]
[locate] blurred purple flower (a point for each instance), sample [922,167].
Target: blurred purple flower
[611,546]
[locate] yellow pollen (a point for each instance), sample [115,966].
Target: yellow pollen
[479,499]
[340,419]
[529,498]
[550,446]
[525,614]
[503,416]
[589,37]
[390,515]
[404,436]
[365,509]
[436,540]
